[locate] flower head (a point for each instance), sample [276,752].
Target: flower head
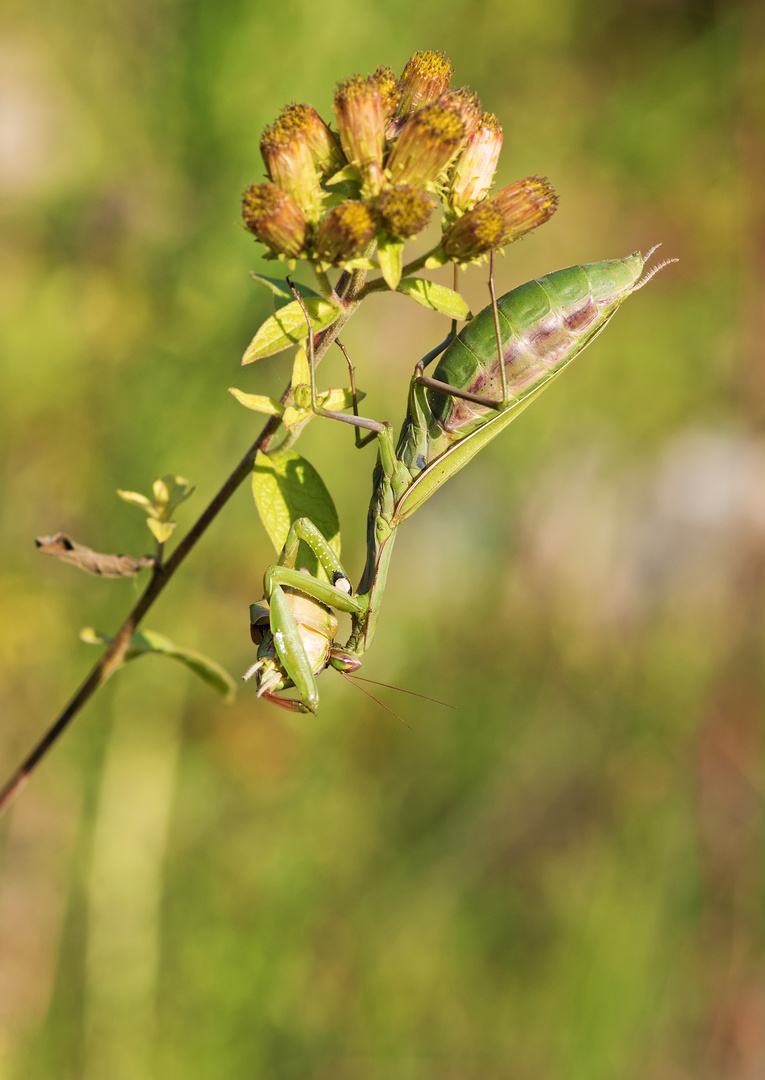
[288,149]
[467,106]
[426,144]
[389,88]
[475,233]
[274,218]
[306,123]
[403,211]
[426,76]
[344,233]
[360,109]
[475,167]
[525,205]
[493,223]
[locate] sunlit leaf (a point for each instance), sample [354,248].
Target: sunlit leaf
[339,399]
[288,326]
[281,290]
[348,174]
[301,372]
[134,498]
[434,296]
[436,259]
[161,530]
[287,487]
[170,491]
[390,254]
[257,402]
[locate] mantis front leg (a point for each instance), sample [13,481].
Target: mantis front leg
[294,626]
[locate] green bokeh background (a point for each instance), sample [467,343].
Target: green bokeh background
[563,876]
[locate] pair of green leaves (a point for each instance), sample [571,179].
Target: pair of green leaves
[169,492]
[297,410]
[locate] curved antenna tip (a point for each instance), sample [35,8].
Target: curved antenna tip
[654,269]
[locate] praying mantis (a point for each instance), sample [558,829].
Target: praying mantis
[487,375]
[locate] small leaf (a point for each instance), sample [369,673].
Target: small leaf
[169,492]
[92,562]
[161,494]
[348,174]
[257,402]
[281,290]
[160,529]
[287,487]
[436,297]
[136,499]
[339,399]
[293,416]
[301,373]
[438,258]
[144,642]
[390,254]
[288,327]
[361,262]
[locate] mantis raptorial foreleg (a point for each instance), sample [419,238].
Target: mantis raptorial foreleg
[294,627]
[338,594]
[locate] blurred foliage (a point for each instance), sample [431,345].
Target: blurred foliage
[561,878]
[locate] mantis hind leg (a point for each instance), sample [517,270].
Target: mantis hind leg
[456,391]
[374,427]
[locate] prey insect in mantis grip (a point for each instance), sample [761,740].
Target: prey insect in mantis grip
[497,365]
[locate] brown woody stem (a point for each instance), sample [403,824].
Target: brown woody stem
[114,655]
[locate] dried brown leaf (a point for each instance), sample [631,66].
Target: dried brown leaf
[92,562]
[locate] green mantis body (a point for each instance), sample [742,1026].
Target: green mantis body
[538,329]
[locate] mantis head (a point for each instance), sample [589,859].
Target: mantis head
[295,636]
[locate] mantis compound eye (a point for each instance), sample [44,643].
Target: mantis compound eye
[343,660]
[259,620]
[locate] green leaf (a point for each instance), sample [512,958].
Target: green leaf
[348,174]
[288,327]
[144,642]
[390,254]
[361,262]
[281,290]
[257,402]
[161,530]
[169,492]
[436,297]
[339,399]
[287,487]
[301,373]
[134,498]
[292,417]
[436,259]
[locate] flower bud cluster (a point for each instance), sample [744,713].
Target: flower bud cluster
[400,145]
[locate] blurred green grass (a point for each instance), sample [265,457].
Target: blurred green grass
[561,878]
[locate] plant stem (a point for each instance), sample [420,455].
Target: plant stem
[114,655]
